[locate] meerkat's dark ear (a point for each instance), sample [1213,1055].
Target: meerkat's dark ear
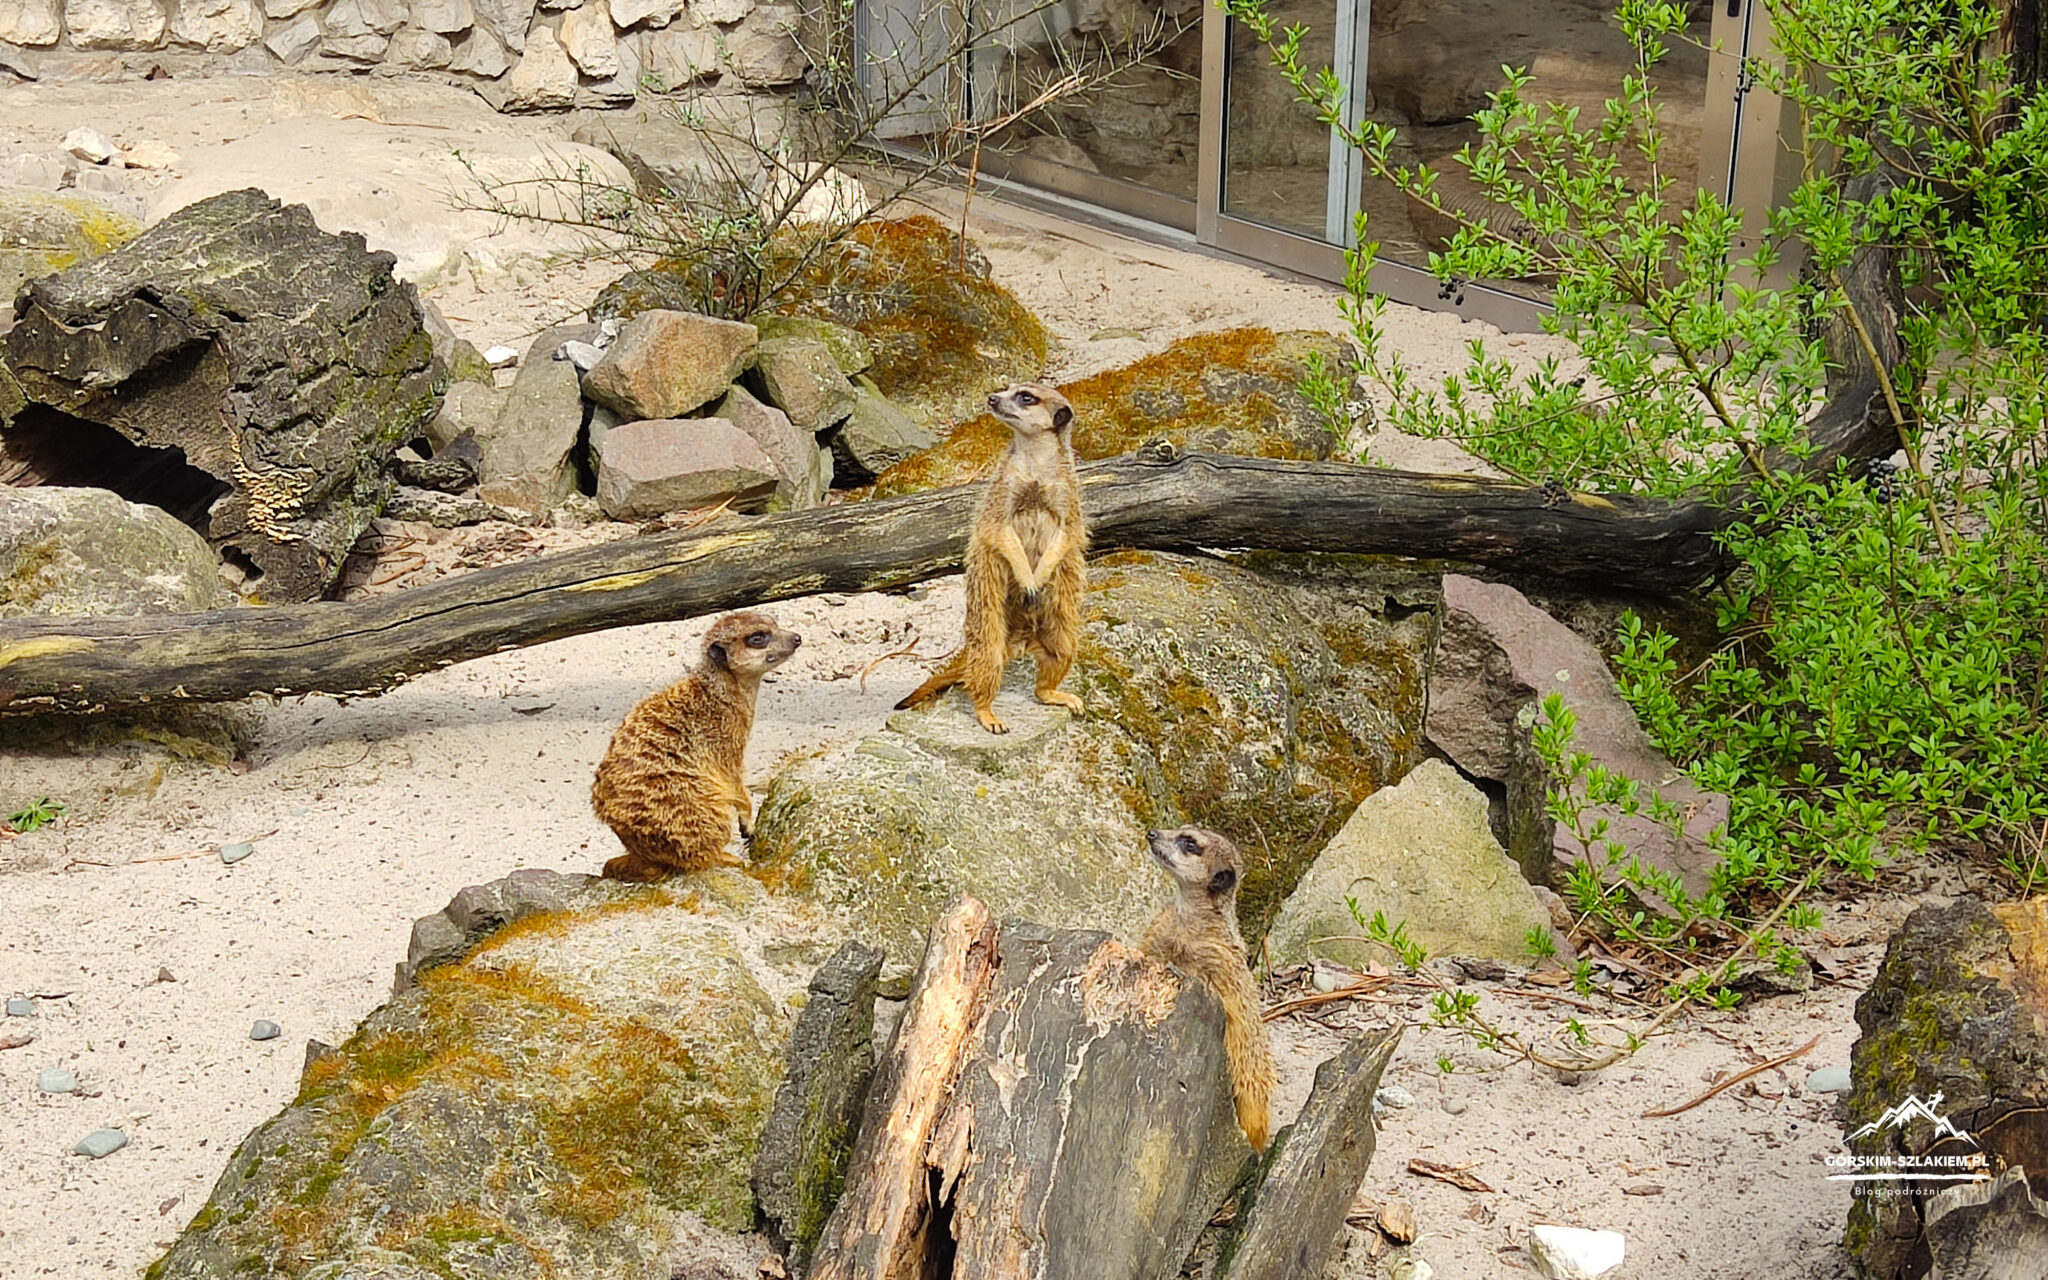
[1061,417]
[719,657]
[1223,881]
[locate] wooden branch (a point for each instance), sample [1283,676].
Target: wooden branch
[880,1228]
[1157,503]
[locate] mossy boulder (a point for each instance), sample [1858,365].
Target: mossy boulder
[1264,697]
[92,553]
[581,1094]
[47,231]
[1238,392]
[1957,1018]
[940,333]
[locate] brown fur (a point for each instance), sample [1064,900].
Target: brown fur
[1026,561]
[1198,935]
[672,781]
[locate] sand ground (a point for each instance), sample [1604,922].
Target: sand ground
[149,958]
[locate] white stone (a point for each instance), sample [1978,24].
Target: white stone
[448,17]
[114,24]
[501,356]
[150,154]
[295,39]
[588,36]
[720,11]
[286,8]
[363,48]
[681,55]
[653,13]
[415,50]
[30,22]
[89,146]
[833,199]
[1573,1253]
[218,26]
[507,19]
[763,52]
[480,54]
[347,19]
[543,79]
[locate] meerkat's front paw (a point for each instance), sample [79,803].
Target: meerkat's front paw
[989,722]
[1061,698]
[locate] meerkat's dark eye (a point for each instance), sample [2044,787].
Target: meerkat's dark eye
[1025,397]
[759,640]
[1186,843]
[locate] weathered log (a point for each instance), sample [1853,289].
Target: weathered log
[1290,1221]
[234,365]
[1091,1136]
[881,1229]
[1189,502]
[1994,1230]
[1948,1069]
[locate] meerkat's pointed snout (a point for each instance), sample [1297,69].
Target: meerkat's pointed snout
[995,401]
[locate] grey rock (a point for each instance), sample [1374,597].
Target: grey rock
[90,553]
[647,1001]
[763,53]
[680,464]
[417,49]
[1422,853]
[468,409]
[100,1143]
[264,1029]
[583,355]
[286,457]
[623,86]
[233,853]
[46,172]
[802,378]
[664,364]
[218,26]
[876,436]
[1395,1096]
[805,469]
[816,1115]
[477,911]
[114,24]
[480,53]
[1294,690]
[461,358]
[20,1007]
[56,1080]
[526,451]
[46,231]
[88,145]
[1455,1106]
[1828,1080]
[682,55]
[20,63]
[850,348]
[1500,656]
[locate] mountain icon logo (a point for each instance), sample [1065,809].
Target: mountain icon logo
[1911,1109]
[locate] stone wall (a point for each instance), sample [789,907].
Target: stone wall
[522,55]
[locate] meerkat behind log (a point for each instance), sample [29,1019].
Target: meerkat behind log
[1198,935]
[1026,561]
[672,781]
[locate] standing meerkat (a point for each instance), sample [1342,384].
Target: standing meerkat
[1026,561]
[672,781]
[1198,935]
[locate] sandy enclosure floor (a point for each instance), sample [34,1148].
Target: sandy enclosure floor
[149,958]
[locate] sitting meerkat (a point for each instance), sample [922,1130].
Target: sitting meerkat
[672,782]
[1198,935]
[1026,561]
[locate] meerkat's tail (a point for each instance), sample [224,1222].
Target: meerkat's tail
[943,679]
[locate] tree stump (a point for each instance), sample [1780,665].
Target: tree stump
[1056,1106]
[1952,1062]
[238,367]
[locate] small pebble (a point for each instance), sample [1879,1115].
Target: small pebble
[1828,1080]
[527,704]
[1407,1268]
[500,356]
[16,1039]
[20,1008]
[100,1143]
[56,1080]
[164,975]
[265,1029]
[1395,1096]
[583,355]
[1397,1221]
[1455,1106]
[233,853]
